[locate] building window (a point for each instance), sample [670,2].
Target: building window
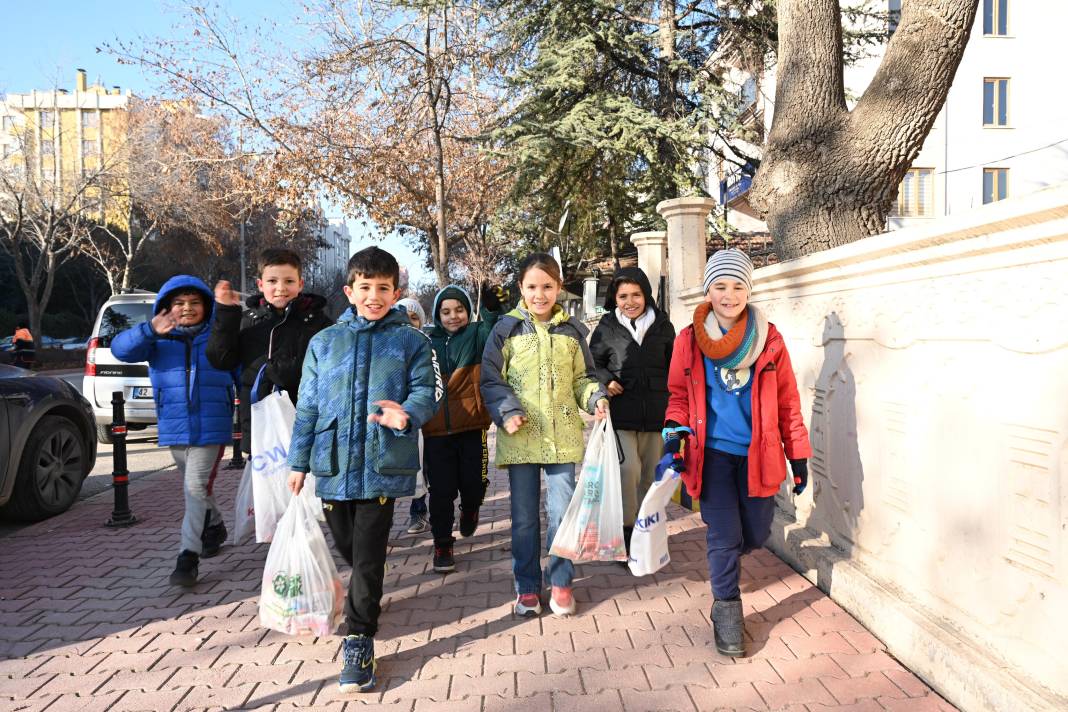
[48,119]
[996,18]
[48,147]
[915,195]
[893,16]
[8,123]
[995,184]
[89,148]
[90,120]
[995,102]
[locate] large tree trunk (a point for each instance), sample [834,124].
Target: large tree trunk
[829,176]
[667,85]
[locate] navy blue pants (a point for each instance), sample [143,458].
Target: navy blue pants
[737,523]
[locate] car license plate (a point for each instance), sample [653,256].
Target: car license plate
[142,392]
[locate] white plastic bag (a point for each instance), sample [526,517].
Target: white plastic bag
[649,540]
[301,592]
[420,478]
[271,431]
[592,527]
[244,508]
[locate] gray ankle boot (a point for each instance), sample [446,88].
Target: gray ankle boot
[728,627]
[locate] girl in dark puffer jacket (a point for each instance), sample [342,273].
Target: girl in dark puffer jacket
[632,350]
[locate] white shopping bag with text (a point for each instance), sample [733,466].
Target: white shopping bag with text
[271,431]
[649,540]
[592,527]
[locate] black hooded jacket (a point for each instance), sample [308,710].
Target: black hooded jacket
[241,337]
[641,369]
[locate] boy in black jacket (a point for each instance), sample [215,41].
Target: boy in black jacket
[274,329]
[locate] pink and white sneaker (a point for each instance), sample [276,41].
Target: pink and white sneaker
[562,602]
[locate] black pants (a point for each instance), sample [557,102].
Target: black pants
[361,532]
[454,464]
[737,523]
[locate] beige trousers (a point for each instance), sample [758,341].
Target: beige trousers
[641,452]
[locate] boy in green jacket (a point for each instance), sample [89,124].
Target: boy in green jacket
[455,456]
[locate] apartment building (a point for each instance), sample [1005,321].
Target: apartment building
[1002,132]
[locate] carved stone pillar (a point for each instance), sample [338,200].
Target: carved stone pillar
[687,225]
[589,297]
[652,256]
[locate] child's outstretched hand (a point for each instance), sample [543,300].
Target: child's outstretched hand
[392,415]
[514,423]
[602,409]
[164,322]
[225,294]
[295,482]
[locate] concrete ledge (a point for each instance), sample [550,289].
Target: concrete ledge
[963,671]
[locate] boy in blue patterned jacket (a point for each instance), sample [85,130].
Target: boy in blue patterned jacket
[369,384]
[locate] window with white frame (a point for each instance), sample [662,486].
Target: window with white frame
[995,101]
[995,18]
[89,148]
[48,147]
[995,184]
[90,120]
[48,119]
[915,195]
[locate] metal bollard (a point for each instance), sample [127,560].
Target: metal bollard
[121,516]
[237,460]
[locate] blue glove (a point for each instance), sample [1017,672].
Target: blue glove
[800,469]
[667,462]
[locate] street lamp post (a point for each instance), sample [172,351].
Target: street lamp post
[244,289]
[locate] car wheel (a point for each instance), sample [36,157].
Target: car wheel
[51,471]
[103,434]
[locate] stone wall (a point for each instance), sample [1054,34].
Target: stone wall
[933,369]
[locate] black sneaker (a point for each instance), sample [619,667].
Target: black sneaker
[468,522]
[359,664]
[212,540]
[185,571]
[443,561]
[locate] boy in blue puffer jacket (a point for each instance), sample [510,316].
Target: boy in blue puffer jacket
[194,407]
[369,383]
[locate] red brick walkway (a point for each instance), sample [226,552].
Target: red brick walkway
[89,623]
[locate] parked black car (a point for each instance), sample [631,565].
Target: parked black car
[47,444]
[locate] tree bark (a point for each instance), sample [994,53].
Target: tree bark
[667,83]
[829,176]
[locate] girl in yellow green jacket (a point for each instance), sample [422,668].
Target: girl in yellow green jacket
[537,373]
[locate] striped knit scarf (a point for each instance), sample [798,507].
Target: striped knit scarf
[740,346]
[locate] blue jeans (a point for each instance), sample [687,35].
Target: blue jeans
[525,483]
[737,523]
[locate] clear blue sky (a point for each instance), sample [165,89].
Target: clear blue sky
[46,40]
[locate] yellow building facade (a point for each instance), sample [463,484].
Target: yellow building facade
[71,141]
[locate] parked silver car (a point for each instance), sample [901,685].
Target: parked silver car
[104,373]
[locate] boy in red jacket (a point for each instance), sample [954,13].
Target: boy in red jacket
[733,410]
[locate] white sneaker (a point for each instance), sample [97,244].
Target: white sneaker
[417,524]
[562,601]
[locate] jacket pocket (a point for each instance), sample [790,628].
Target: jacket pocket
[324,448]
[396,454]
[773,460]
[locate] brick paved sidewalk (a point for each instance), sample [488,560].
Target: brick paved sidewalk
[89,623]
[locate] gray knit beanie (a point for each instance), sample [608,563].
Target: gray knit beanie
[729,263]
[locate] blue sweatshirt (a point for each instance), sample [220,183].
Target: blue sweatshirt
[730,408]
